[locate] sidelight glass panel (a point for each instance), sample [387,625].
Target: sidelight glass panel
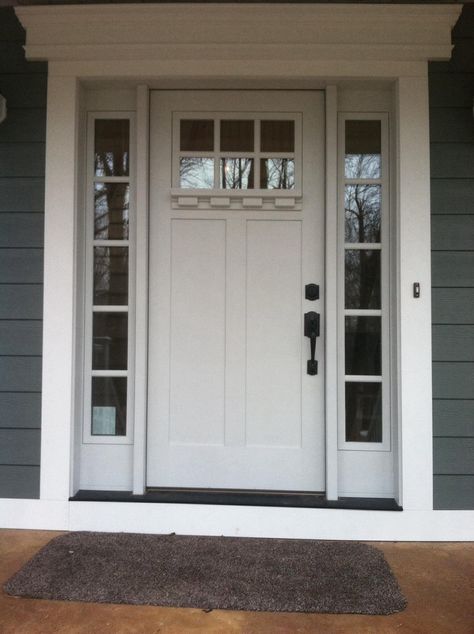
[362,278]
[236,173]
[237,136]
[196,135]
[112,147]
[111,211]
[363,149]
[109,345]
[363,345]
[110,276]
[363,412]
[362,213]
[196,173]
[277,173]
[277,136]
[109,406]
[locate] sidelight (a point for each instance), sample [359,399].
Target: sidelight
[108,280]
[364,235]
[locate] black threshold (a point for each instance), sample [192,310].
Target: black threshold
[296,499]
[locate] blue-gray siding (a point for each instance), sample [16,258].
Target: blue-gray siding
[452,208]
[22,151]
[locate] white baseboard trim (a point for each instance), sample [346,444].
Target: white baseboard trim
[34,514]
[247,521]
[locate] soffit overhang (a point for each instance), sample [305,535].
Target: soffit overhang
[227,32]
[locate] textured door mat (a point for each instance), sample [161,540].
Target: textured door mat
[276,575]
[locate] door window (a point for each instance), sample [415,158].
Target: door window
[236,153]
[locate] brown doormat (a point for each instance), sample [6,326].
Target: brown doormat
[234,573]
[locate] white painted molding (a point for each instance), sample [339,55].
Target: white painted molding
[279,32]
[415,353]
[239,521]
[59,271]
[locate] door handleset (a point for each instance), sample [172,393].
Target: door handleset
[311,330]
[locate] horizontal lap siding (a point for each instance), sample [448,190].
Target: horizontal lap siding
[452,208]
[22,163]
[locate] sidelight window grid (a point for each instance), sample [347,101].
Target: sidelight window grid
[351,188]
[108,350]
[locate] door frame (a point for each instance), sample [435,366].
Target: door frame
[404,64]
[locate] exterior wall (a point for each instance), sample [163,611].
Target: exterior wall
[22,145]
[21,237]
[452,195]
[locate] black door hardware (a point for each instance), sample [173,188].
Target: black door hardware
[311,330]
[311,292]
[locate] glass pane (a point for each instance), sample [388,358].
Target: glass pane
[237,136]
[362,279]
[109,348]
[196,135]
[277,173]
[363,148]
[112,147]
[236,173]
[363,412]
[363,345]
[277,136]
[196,173]
[362,208]
[111,207]
[109,406]
[110,276]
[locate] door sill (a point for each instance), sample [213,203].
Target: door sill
[232,497]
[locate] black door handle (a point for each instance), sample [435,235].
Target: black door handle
[311,330]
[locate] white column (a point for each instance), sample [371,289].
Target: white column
[414,242]
[59,274]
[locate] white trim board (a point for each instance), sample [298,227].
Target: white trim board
[239,521]
[229,32]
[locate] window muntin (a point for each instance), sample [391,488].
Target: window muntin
[237,152]
[108,234]
[364,239]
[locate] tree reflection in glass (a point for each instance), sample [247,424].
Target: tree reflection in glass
[363,148]
[236,173]
[362,213]
[111,211]
[277,173]
[111,148]
[362,278]
[196,173]
[110,276]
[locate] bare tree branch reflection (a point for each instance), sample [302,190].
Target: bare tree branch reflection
[196,173]
[277,173]
[362,213]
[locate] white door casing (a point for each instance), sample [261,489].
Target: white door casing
[230,402]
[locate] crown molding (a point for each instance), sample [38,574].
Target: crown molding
[285,32]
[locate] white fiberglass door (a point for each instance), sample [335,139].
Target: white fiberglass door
[236,232]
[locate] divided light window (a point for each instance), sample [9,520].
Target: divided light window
[235,153]
[107,385]
[364,238]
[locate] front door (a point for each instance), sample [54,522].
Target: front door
[236,233]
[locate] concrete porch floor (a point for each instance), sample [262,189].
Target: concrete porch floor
[437,579]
